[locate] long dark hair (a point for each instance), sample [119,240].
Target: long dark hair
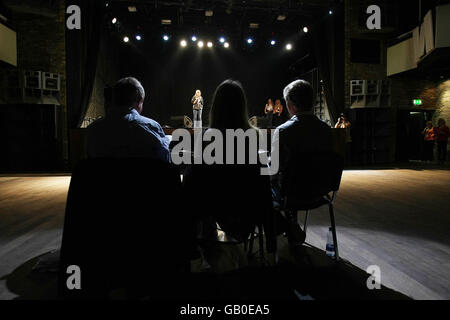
[229,107]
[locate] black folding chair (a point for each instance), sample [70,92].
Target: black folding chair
[124,229]
[310,181]
[237,197]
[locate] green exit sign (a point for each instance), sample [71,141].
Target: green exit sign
[417,102]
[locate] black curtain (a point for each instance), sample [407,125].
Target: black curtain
[328,48]
[82,47]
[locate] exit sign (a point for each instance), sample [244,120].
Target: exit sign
[417,102]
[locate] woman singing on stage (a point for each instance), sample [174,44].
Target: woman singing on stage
[197,106]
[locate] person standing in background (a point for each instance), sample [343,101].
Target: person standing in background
[278,110]
[442,132]
[269,111]
[197,106]
[428,145]
[343,123]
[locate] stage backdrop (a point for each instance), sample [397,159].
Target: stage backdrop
[172,74]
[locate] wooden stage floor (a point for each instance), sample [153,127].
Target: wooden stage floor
[397,219]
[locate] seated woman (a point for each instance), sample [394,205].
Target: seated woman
[236,196]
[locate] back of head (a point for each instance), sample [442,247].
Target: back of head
[301,94]
[127,93]
[229,107]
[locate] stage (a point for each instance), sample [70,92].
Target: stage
[394,218]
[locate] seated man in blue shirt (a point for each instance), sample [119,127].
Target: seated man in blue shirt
[124,132]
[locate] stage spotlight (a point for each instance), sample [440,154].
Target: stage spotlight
[209,44]
[226,45]
[114,21]
[305,29]
[126,39]
[249,40]
[200,44]
[138,37]
[183,43]
[272,42]
[288,46]
[330,12]
[165,37]
[222,40]
[194,38]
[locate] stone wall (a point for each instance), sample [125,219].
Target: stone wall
[443,102]
[406,89]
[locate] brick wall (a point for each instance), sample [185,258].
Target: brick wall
[360,71]
[405,89]
[41,47]
[443,102]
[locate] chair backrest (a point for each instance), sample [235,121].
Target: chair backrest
[230,192]
[311,175]
[123,225]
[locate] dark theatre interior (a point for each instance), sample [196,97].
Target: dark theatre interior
[104,195]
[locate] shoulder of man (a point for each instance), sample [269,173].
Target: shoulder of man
[149,123]
[97,124]
[288,124]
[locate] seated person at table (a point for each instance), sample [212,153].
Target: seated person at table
[234,195]
[303,133]
[124,132]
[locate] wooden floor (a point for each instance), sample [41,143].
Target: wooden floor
[397,219]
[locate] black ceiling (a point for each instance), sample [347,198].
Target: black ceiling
[232,17]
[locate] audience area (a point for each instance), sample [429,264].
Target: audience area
[408,240]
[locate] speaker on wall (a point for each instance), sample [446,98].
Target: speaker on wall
[32,79]
[370,93]
[51,81]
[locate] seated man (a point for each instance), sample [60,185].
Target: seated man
[124,132]
[303,133]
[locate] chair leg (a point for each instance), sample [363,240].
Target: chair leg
[250,248]
[292,215]
[275,231]
[305,226]
[333,226]
[261,241]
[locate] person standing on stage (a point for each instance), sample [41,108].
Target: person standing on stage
[197,106]
[278,107]
[268,110]
[278,110]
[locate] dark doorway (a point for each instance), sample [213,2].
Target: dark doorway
[410,139]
